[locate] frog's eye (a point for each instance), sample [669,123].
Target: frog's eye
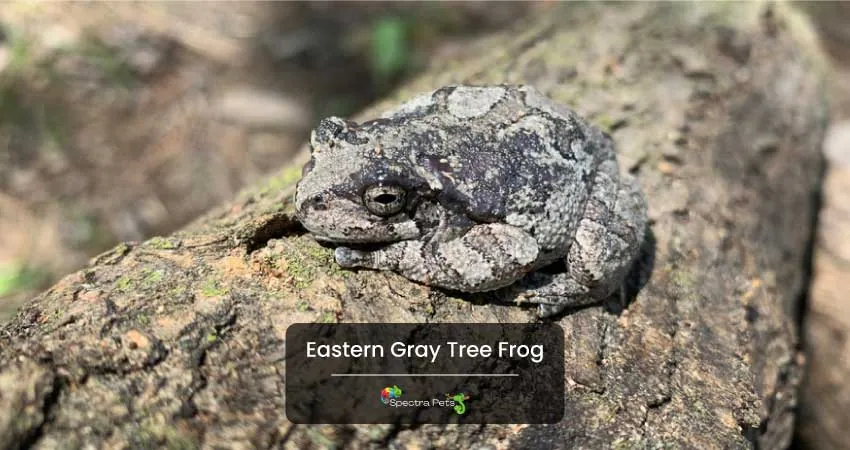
[384,201]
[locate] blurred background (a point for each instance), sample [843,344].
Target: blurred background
[120,121]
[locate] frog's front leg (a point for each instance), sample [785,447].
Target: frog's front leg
[606,243]
[486,257]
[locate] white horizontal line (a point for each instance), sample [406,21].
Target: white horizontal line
[424,374]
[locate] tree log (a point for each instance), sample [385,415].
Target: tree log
[825,410]
[717,108]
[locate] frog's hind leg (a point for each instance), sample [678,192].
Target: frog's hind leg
[607,240]
[551,292]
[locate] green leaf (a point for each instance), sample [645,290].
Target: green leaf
[16,277]
[390,48]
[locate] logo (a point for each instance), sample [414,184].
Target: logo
[388,393]
[460,406]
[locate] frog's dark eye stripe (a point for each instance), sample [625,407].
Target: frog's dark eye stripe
[386,200]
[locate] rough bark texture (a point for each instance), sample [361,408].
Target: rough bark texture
[824,417]
[825,409]
[717,108]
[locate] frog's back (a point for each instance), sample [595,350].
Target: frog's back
[504,153]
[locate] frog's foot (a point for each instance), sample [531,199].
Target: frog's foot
[349,257]
[552,293]
[545,310]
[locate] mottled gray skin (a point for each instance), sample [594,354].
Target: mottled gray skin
[474,188]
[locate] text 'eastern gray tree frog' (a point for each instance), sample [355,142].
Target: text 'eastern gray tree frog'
[475,188]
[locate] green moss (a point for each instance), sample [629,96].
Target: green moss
[161,436]
[177,291]
[306,260]
[605,122]
[319,439]
[143,320]
[302,306]
[124,284]
[683,279]
[324,258]
[301,273]
[285,206]
[114,255]
[622,444]
[378,432]
[274,184]
[291,175]
[161,243]
[211,338]
[458,302]
[318,252]
[211,288]
[327,317]
[151,277]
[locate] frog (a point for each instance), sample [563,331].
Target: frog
[477,188]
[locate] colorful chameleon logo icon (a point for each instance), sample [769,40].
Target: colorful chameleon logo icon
[460,406]
[388,393]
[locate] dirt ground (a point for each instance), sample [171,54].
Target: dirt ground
[121,121]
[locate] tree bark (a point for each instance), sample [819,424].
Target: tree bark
[825,408]
[717,108]
[824,412]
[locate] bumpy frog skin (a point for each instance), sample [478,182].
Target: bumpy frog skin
[474,188]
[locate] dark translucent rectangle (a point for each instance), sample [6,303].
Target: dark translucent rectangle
[376,383]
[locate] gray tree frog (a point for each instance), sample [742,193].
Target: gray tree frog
[475,188]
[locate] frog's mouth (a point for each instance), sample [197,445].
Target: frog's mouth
[377,235]
[352,230]
[363,247]
[352,244]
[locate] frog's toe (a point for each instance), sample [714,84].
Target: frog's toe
[549,309]
[349,257]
